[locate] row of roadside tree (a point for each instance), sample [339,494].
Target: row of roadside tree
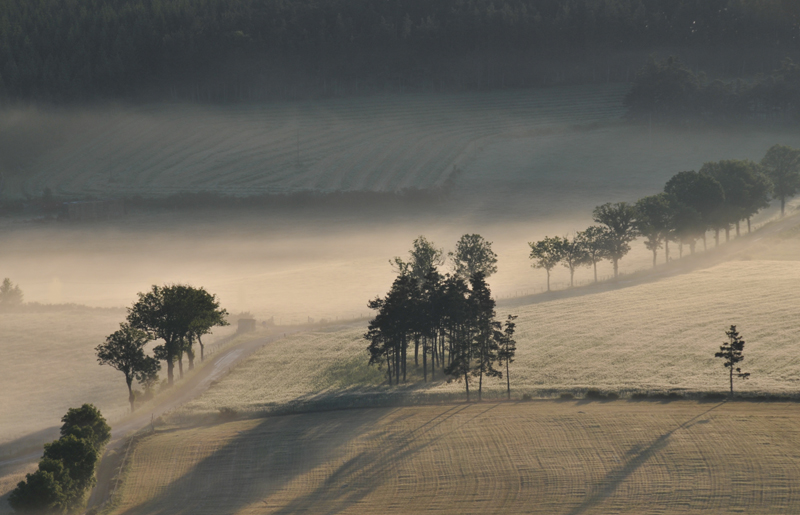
[717,198]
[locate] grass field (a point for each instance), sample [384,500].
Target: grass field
[51,366]
[656,336]
[538,457]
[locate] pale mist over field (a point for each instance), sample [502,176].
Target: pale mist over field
[511,166]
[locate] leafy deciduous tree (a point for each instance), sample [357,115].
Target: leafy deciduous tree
[619,219]
[782,166]
[124,351]
[593,241]
[547,254]
[473,254]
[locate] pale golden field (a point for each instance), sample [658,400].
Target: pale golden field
[51,366]
[656,336]
[537,457]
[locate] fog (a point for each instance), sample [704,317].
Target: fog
[515,184]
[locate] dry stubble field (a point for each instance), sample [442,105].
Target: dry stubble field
[537,457]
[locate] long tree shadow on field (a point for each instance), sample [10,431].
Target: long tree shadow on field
[356,478]
[637,457]
[274,452]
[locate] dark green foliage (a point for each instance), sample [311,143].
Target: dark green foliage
[66,470]
[732,352]
[124,350]
[176,314]
[448,320]
[665,88]
[89,423]
[230,50]
[620,222]
[669,89]
[782,166]
[40,493]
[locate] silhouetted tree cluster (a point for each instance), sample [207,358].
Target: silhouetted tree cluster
[669,89]
[10,294]
[229,50]
[66,470]
[176,314]
[447,317]
[716,198]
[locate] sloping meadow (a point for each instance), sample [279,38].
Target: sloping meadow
[655,337]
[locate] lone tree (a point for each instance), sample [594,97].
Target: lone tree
[547,254]
[620,220]
[473,254]
[124,351]
[732,352]
[782,166]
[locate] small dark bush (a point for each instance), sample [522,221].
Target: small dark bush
[612,396]
[227,413]
[594,393]
[566,397]
[639,396]
[527,397]
[674,396]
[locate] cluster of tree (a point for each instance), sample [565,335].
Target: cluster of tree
[449,317]
[66,470]
[716,198]
[224,50]
[669,89]
[177,314]
[10,294]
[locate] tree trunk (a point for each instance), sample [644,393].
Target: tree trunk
[654,257]
[131,396]
[666,251]
[571,277]
[202,349]
[616,267]
[416,350]
[548,283]
[731,380]
[508,381]
[404,358]
[748,225]
[180,366]
[190,354]
[595,270]
[425,360]
[466,382]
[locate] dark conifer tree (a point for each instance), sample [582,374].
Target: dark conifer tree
[732,352]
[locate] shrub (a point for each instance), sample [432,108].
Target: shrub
[566,397]
[594,393]
[526,397]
